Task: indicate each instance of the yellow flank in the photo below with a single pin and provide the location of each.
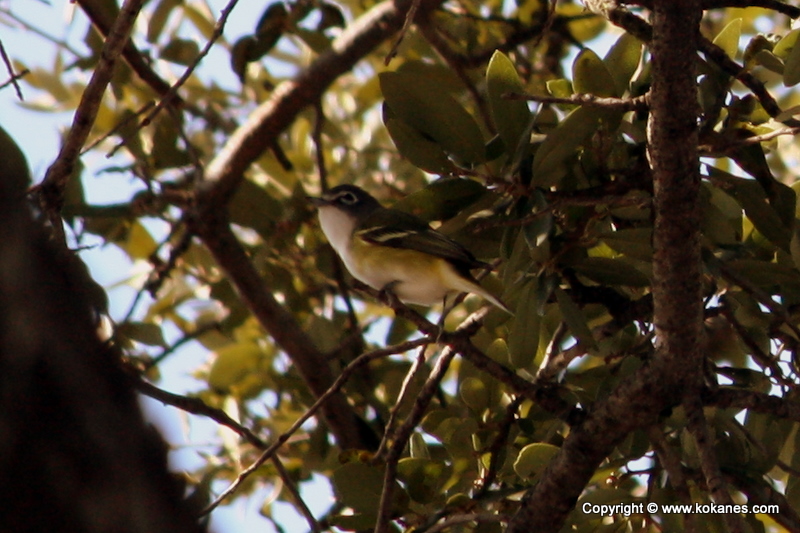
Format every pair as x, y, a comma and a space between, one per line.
413, 276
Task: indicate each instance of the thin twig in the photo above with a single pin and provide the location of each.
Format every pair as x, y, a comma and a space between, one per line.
416, 366
497, 446
638, 103
404, 433
446, 525
697, 425
337, 385
762, 297
412, 12
718, 149
28, 27
671, 462
219, 27
13, 80
13, 75
298, 499
199, 407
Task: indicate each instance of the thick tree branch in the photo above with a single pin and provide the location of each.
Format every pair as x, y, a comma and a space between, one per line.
733, 397
226, 171
310, 362
636, 402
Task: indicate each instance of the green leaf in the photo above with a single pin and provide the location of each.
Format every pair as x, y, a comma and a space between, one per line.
784, 47
417, 446
359, 486
561, 144
423, 478
474, 394
273, 20
591, 76
241, 54
423, 106
633, 242
416, 147
728, 38
764, 217
138, 243
770, 61
622, 60
560, 88
158, 19
203, 19
441, 199
180, 51
791, 69
534, 458
610, 271
523, 341
511, 117
144, 332
253, 207
766, 274
575, 319
234, 365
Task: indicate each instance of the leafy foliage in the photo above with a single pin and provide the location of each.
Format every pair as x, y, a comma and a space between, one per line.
558, 193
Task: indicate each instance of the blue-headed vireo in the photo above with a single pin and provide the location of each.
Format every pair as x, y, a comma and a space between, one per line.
392, 250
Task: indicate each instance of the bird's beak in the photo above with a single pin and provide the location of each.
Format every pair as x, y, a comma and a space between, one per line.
318, 201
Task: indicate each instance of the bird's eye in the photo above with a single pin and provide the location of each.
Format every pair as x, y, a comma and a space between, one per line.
348, 198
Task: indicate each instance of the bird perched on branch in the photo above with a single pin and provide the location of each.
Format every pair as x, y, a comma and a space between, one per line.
394, 251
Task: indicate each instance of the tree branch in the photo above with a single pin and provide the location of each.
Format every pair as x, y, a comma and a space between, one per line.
638, 103
216, 233
676, 286
55, 180
225, 172
272, 117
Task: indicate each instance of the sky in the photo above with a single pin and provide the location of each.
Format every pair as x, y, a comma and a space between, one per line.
38, 133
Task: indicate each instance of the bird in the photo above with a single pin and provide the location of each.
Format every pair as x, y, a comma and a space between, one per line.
394, 251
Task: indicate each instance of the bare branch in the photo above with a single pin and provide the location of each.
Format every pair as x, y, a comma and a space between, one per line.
671, 462
733, 397
276, 114
321, 401
14, 76
55, 180
170, 95
638, 103
403, 433
697, 425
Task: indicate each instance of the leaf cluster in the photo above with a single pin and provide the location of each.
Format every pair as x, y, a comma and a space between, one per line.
504, 128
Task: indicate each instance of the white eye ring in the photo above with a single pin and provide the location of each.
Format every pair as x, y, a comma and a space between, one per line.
348, 198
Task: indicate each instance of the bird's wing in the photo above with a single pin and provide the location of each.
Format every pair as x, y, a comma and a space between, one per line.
407, 231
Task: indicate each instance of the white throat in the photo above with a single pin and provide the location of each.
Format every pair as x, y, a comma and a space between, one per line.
337, 226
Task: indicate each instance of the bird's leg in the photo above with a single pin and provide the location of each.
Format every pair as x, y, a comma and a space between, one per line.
445, 311
387, 294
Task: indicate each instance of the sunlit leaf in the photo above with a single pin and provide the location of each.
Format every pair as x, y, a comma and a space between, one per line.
728, 38
591, 76
511, 117
534, 458
622, 60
